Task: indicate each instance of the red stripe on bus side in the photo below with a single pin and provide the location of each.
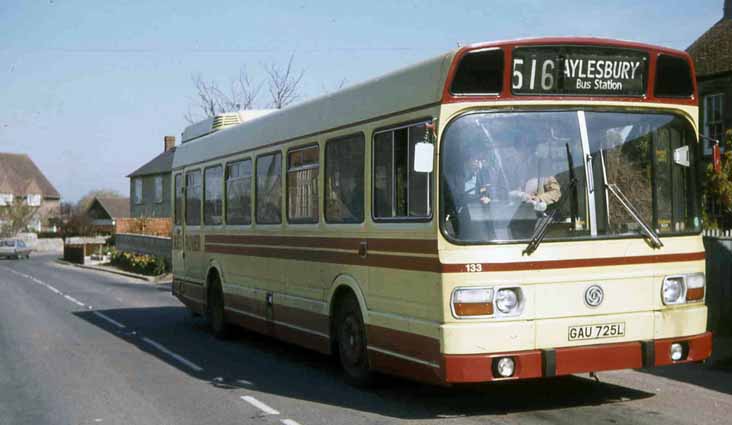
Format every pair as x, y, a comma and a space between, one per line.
574, 263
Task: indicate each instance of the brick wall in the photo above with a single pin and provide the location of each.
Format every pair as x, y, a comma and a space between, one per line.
144, 226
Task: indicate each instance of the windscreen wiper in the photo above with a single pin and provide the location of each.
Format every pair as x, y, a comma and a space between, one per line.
543, 224
625, 202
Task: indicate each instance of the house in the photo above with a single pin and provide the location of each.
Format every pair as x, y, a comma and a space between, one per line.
150, 185
103, 213
21, 180
712, 54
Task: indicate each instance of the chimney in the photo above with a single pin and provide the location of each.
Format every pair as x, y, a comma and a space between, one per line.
727, 9
169, 143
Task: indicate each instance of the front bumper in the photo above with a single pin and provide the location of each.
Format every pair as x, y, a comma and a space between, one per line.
463, 368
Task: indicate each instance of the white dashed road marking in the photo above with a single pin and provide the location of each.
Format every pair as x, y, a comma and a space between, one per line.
74, 300
259, 405
249, 399
180, 359
109, 319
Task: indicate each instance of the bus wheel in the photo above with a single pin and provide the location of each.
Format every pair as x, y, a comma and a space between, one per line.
351, 340
215, 311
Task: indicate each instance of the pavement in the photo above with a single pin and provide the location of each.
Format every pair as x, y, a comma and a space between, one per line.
81, 346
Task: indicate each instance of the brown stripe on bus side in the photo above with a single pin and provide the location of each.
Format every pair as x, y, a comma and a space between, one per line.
575, 263
294, 241
402, 262
415, 246
302, 318
405, 343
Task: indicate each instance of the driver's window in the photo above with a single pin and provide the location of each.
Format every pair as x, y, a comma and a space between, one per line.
399, 192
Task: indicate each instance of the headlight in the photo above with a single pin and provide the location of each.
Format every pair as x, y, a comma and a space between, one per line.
507, 300
473, 301
680, 289
673, 290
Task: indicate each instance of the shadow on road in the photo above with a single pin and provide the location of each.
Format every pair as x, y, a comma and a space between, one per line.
696, 374
264, 364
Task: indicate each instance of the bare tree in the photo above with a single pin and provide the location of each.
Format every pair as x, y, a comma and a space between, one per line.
16, 217
243, 92
339, 85
283, 84
210, 100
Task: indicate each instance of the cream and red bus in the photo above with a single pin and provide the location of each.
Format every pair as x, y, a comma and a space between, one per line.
508, 210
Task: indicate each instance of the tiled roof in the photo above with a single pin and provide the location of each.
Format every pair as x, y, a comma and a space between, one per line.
20, 176
162, 163
115, 207
712, 52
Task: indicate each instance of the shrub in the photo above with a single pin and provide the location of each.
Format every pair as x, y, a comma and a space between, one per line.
718, 190
147, 265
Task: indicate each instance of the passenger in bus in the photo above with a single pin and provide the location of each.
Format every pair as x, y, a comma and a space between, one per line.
538, 185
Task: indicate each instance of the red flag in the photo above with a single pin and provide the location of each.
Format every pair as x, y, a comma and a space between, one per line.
716, 158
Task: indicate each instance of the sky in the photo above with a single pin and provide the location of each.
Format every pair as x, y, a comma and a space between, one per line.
88, 89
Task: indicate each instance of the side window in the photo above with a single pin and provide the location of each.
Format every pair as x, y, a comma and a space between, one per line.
179, 199
302, 185
239, 192
158, 189
344, 188
138, 190
399, 192
193, 198
269, 188
213, 203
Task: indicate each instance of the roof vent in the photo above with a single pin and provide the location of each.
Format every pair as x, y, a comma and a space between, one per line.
220, 122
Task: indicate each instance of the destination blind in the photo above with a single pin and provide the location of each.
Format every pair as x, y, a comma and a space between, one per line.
578, 71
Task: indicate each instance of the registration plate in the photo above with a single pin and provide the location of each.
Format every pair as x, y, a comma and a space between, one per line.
603, 330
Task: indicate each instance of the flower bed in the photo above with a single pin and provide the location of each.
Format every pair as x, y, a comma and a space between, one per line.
147, 265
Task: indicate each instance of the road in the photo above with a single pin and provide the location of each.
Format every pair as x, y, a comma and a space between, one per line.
86, 347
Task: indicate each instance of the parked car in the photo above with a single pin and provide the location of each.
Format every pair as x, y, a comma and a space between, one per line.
14, 248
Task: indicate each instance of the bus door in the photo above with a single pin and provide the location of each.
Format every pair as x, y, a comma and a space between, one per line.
178, 227
192, 255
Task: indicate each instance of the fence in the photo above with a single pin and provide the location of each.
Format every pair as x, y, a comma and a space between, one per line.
719, 281
144, 244
144, 226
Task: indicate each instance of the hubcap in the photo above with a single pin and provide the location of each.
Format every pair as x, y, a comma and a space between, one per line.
350, 340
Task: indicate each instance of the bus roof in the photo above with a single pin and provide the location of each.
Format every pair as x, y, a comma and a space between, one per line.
414, 87
418, 85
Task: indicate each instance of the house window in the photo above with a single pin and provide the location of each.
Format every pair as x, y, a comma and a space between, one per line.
239, 192
302, 185
344, 179
33, 200
213, 203
6, 199
193, 198
399, 191
269, 189
713, 120
158, 189
138, 190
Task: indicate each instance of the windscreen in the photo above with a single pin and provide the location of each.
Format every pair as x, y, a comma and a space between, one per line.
503, 171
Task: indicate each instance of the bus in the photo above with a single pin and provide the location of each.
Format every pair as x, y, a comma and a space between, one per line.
507, 210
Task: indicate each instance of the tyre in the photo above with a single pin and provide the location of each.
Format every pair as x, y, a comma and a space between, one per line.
215, 311
352, 343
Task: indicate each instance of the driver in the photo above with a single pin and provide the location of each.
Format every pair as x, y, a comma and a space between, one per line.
539, 187
475, 186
